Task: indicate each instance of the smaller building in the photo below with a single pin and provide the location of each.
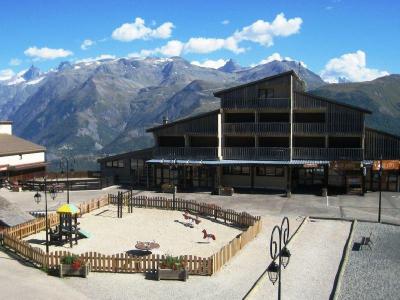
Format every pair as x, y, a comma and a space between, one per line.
19, 159
128, 169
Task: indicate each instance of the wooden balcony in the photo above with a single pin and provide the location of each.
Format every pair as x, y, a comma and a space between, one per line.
186, 153
260, 153
328, 153
263, 128
276, 103
309, 128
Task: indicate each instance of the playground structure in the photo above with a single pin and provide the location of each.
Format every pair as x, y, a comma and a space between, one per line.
67, 231
191, 219
208, 236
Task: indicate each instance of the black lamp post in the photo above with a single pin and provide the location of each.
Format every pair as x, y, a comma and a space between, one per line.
65, 163
380, 188
174, 167
278, 250
38, 197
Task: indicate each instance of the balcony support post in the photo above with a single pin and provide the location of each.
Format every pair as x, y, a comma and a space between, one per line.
289, 181
326, 179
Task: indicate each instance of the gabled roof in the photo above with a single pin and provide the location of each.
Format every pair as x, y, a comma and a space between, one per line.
383, 132
291, 72
11, 214
13, 145
169, 124
335, 102
142, 153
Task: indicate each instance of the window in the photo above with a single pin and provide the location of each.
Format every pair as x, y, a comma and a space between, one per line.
120, 164
265, 93
115, 163
109, 164
270, 171
236, 170
133, 164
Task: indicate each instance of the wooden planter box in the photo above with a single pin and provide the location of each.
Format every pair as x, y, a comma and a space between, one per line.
170, 274
167, 188
66, 270
224, 191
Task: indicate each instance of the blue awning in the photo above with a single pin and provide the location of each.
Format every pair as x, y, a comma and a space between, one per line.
236, 162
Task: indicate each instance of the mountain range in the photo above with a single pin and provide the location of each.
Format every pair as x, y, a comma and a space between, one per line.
92, 108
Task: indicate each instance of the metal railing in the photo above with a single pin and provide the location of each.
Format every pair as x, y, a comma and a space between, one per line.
309, 127
328, 153
186, 152
260, 153
265, 128
256, 103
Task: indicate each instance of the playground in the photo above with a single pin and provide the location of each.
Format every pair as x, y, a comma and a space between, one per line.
176, 233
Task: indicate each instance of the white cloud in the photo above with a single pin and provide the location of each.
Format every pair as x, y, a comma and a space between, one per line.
278, 57
15, 62
207, 45
100, 57
46, 53
263, 32
86, 44
134, 31
214, 64
6, 74
350, 66
225, 22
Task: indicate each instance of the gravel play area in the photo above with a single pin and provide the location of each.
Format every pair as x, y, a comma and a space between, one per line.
373, 273
112, 235
316, 254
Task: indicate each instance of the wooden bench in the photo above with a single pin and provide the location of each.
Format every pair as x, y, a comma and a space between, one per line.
366, 241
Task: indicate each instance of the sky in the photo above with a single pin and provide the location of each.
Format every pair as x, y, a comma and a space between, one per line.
356, 40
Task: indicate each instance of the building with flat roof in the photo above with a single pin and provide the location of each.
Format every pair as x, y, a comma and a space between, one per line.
19, 158
268, 134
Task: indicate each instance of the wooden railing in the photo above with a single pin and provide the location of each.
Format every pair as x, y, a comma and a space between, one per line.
123, 263
328, 153
309, 127
265, 128
281, 103
185, 152
269, 153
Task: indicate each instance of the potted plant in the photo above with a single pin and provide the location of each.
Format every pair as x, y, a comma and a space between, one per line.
72, 265
172, 267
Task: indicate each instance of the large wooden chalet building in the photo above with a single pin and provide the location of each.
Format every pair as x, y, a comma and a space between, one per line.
267, 135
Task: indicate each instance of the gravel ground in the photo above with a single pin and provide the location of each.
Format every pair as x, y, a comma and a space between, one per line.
112, 235
23, 282
373, 274
232, 282
316, 254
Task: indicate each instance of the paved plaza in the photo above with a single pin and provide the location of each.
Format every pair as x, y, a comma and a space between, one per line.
316, 253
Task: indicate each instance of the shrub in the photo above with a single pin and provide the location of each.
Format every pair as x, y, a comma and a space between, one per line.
172, 262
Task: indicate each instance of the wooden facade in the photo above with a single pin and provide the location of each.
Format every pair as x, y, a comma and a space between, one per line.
270, 120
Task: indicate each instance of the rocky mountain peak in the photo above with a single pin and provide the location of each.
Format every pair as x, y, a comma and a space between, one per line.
230, 66
32, 73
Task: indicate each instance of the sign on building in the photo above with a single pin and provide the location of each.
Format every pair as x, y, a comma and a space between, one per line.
386, 165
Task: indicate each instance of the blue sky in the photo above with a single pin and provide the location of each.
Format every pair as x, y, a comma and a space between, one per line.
358, 40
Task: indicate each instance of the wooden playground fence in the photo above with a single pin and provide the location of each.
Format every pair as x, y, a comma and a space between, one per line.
203, 209
124, 263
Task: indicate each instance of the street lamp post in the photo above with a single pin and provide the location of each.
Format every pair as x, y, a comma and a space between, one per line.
65, 163
278, 250
53, 194
380, 188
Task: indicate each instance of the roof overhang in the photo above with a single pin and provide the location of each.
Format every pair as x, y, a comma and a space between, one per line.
27, 166
236, 162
